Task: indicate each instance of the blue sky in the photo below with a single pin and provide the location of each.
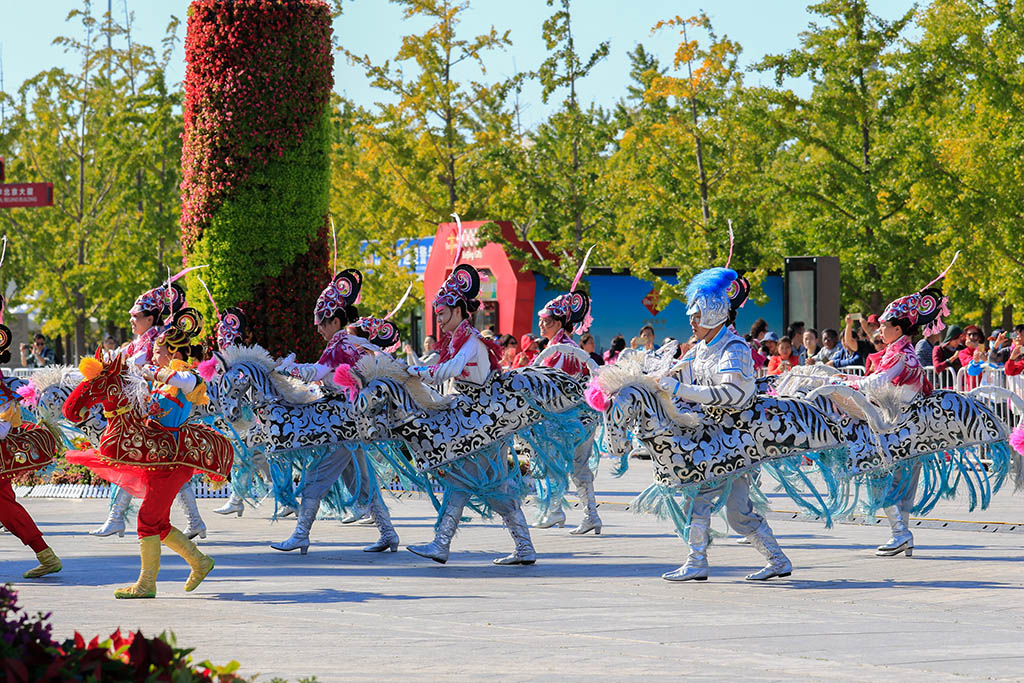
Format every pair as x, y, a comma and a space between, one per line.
375, 27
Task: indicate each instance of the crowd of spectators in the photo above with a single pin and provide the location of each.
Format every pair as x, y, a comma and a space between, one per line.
859, 344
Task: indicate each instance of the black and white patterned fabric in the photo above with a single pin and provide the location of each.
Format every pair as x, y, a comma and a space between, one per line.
477, 417
718, 443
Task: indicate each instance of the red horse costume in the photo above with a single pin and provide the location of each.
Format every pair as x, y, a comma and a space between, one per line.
23, 448
149, 456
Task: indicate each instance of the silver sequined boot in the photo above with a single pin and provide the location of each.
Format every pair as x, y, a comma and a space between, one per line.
778, 564
696, 566
524, 553
382, 516
308, 507
447, 524
115, 519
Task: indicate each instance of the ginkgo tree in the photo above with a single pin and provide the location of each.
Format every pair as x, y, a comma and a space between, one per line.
106, 135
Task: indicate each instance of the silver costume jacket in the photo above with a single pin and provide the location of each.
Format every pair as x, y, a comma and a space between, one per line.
719, 373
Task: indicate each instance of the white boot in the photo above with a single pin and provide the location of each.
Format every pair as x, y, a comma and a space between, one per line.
233, 506
187, 501
591, 521
115, 520
299, 539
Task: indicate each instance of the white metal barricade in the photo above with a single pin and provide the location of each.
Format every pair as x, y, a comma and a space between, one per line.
853, 370
941, 380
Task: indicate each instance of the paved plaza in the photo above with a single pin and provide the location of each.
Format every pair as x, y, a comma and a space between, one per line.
592, 608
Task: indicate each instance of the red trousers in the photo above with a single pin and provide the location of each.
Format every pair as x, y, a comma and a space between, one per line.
162, 485
17, 520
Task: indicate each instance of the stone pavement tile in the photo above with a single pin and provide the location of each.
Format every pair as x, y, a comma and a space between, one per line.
593, 608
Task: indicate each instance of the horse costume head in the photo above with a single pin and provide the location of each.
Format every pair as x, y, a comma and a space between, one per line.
631, 401
103, 383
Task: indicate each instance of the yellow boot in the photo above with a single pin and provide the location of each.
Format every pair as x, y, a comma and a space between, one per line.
145, 587
49, 563
201, 564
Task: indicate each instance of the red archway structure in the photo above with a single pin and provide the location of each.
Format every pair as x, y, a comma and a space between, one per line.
509, 285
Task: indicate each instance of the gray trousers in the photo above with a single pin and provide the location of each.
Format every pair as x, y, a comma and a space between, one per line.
354, 471
582, 475
739, 510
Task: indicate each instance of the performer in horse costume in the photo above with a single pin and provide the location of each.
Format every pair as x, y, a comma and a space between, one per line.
719, 371
155, 456
147, 319
468, 362
560, 315
900, 377
335, 309
24, 447
230, 330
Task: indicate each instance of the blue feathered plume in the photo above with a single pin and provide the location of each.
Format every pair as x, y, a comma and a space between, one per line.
710, 283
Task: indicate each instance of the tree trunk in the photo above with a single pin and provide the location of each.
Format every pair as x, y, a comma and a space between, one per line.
81, 324
986, 317
1008, 317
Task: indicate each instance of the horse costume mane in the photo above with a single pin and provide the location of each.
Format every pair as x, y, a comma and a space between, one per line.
41, 380
291, 389
630, 371
382, 366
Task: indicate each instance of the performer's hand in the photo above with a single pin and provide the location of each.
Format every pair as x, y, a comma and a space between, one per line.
307, 373
1016, 351
148, 371
287, 364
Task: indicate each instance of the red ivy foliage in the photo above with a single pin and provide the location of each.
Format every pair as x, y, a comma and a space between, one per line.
258, 76
272, 314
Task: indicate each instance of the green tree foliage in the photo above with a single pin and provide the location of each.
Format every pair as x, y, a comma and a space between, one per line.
967, 82
557, 189
847, 164
407, 164
256, 162
106, 135
690, 160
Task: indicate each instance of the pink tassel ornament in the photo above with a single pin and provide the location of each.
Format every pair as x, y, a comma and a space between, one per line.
346, 379
207, 369
28, 394
1017, 439
596, 398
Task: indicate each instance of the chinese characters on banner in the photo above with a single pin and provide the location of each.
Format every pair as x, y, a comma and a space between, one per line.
17, 195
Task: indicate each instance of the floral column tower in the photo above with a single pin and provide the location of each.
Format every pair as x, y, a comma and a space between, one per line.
255, 162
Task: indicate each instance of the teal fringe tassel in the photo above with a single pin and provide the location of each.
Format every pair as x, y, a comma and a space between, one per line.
944, 474
486, 477
660, 500
404, 466
284, 465
554, 441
